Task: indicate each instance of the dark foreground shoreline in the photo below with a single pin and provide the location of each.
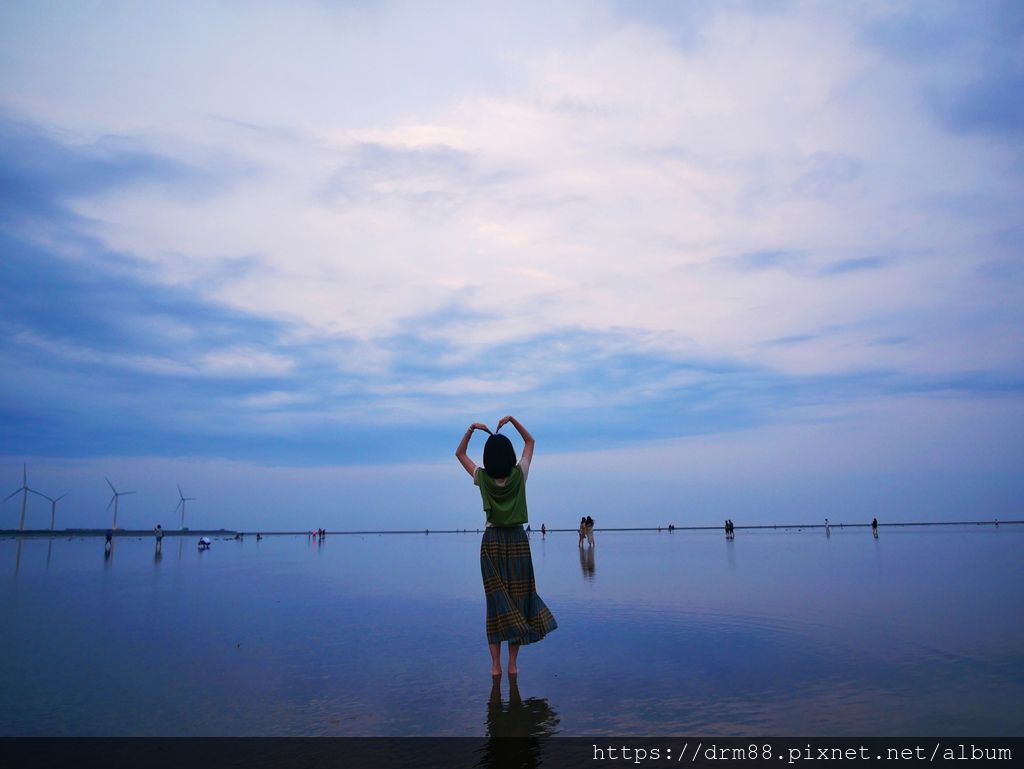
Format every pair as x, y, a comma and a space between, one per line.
516, 749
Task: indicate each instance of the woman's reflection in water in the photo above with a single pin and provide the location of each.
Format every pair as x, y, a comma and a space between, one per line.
516, 731
587, 562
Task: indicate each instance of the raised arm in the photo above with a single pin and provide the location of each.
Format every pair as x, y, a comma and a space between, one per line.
525, 434
460, 452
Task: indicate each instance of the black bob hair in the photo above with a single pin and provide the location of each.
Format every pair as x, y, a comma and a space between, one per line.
499, 456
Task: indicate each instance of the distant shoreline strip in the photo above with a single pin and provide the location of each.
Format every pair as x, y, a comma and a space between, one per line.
46, 533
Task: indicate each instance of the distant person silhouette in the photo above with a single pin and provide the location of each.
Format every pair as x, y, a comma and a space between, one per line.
874, 526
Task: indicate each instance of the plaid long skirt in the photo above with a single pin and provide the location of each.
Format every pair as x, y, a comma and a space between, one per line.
515, 613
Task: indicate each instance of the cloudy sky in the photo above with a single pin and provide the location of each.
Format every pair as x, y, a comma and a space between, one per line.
752, 260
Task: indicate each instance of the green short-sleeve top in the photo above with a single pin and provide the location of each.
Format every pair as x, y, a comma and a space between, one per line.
504, 504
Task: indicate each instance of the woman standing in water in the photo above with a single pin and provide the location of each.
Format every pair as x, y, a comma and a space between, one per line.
515, 613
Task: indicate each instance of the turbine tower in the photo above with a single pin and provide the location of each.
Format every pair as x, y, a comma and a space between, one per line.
24, 495
181, 504
53, 505
114, 499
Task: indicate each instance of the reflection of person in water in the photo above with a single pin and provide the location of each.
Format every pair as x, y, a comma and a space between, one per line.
530, 721
587, 562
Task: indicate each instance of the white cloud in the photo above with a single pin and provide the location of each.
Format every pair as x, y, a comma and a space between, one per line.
549, 167
272, 400
245, 361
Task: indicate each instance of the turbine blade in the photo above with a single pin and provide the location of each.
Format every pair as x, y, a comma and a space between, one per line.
110, 484
127, 492
179, 490
58, 499
111, 501
179, 505
24, 474
13, 493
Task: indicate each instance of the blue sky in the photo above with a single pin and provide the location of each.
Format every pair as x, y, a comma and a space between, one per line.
751, 260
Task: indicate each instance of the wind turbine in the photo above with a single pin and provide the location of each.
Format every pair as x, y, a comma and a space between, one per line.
114, 499
24, 495
53, 505
181, 504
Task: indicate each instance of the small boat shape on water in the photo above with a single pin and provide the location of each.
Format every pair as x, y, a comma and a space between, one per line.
204, 543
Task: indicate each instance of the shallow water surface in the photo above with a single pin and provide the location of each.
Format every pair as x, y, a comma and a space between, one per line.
773, 633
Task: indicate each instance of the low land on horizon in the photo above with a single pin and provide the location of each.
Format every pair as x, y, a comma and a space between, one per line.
79, 532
